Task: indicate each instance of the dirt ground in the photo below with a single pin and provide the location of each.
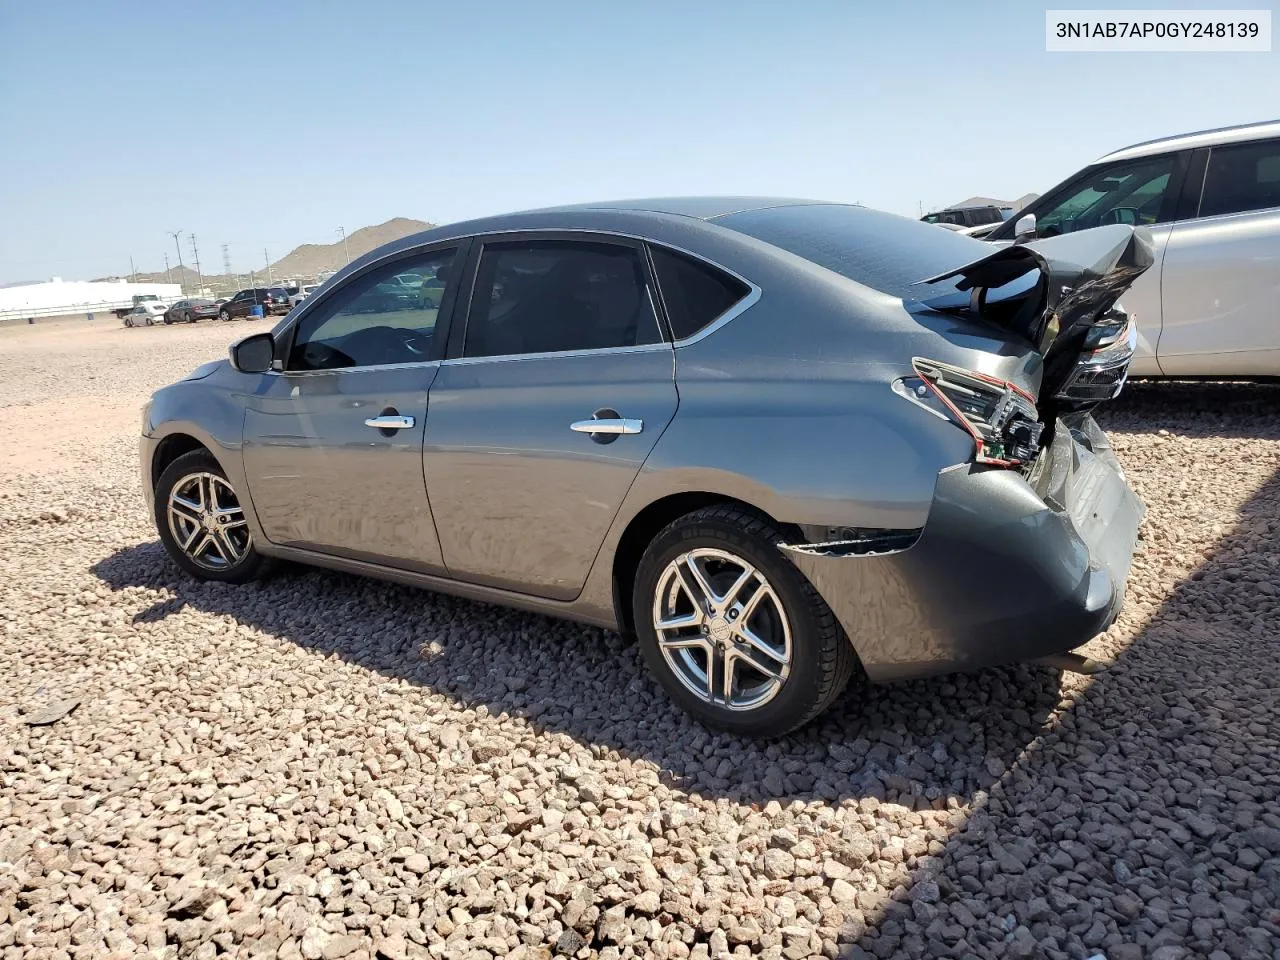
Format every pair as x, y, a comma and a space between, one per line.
322, 766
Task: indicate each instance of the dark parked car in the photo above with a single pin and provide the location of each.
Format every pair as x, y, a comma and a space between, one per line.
968, 216
273, 300
777, 440
189, 311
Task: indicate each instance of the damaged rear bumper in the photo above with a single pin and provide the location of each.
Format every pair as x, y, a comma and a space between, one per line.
1007, 568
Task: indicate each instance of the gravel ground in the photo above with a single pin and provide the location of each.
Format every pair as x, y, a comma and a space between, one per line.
323, 766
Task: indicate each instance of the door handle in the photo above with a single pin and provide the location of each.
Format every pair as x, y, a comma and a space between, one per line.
387, 422
612, 425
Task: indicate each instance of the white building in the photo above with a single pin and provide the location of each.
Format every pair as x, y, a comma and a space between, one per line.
58, 297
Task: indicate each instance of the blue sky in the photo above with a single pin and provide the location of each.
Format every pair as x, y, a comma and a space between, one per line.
269, 125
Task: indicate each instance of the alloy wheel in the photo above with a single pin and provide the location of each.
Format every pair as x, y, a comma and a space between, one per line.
207, 521
722, 629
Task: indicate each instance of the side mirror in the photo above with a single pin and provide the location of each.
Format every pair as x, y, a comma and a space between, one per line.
254, 354
1025, 228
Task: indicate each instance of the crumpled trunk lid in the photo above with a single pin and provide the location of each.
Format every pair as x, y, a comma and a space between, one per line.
1061, 295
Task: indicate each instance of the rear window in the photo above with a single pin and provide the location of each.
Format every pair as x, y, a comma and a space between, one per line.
694, 293
879, 250
1241, 178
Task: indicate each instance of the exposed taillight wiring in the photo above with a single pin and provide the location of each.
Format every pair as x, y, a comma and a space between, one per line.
1006, 430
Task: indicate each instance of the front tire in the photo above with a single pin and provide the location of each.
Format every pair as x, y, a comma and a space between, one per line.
224, 315
733, 631
202, 523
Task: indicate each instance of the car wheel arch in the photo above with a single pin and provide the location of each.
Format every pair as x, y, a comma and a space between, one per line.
170, 449
647, 523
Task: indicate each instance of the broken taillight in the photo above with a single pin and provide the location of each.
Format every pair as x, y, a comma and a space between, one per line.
1001, 417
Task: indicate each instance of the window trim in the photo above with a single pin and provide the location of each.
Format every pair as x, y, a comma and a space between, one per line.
456, 351
286, 335
468, 244
741, 305
1204, 179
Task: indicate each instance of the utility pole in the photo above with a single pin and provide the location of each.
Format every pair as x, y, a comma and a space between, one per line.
167, 278
346, 252
181, 268
267, 260
226, 263
195, 252
133, 271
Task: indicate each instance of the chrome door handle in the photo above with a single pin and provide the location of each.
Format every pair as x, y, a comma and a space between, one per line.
618, 425
389, 423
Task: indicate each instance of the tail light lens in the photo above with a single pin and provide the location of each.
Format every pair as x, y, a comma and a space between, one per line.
1103, 366
1001, 417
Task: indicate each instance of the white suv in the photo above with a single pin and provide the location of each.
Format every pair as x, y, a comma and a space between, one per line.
1210, 305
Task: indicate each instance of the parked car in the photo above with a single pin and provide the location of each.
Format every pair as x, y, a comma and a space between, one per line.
123, 312
1212, 203
740, 428
189, 311
271, 299
304, 291
145, 313
966, 216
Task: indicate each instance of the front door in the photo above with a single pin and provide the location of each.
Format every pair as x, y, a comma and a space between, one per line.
333, 442
538, 429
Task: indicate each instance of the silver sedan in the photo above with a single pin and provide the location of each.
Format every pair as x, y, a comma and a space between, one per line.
778, 441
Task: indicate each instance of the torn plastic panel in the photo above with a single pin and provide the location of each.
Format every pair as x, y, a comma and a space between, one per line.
854, 541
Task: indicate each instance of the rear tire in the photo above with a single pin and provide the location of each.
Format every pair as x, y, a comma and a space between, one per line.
202, 523
788, 657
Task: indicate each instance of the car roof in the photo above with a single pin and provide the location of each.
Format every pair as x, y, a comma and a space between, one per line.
1203, 138
700, 208
606, 216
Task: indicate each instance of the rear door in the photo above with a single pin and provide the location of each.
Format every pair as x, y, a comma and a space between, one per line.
333, 441
1222, 269
556, 390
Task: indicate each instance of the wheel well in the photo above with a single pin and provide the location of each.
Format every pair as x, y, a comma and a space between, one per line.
169, 450
646, 525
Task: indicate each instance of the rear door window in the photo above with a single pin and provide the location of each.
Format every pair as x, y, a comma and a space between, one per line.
1240, 178
551, 296
695, 294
